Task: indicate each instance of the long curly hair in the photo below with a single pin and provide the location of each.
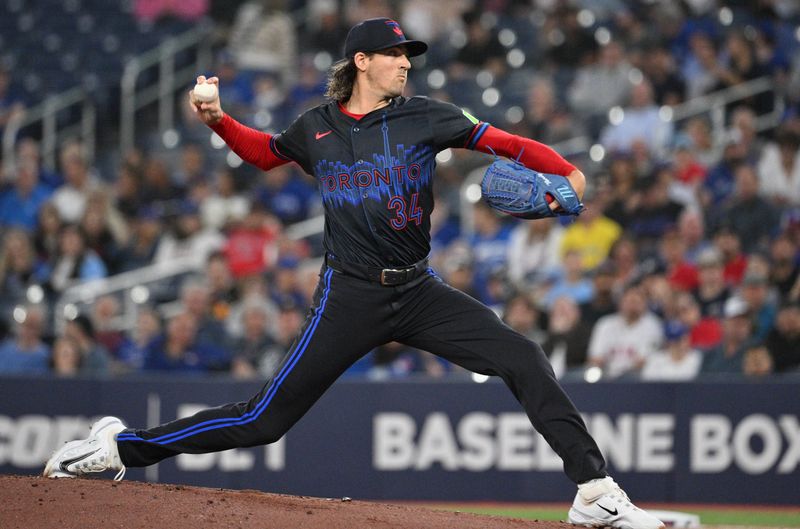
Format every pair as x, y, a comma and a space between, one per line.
341, 78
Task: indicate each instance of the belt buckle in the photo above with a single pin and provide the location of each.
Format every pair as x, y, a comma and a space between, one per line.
388, 276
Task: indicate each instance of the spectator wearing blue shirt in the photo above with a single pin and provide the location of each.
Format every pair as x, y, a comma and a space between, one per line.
178, 350
571, 283
285, 195
26, 353
489, 245
74, 260
19, 205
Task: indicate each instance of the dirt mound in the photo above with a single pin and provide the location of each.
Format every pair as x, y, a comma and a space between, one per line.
33, 502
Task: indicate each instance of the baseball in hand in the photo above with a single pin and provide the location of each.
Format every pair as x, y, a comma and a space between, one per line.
205, 92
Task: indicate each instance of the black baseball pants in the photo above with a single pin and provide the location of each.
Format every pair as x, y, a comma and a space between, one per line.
349, 317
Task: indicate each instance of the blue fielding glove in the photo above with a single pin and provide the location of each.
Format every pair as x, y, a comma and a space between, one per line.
512, 188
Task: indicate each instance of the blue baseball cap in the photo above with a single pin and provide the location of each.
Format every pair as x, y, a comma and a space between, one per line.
375, 34
675, 330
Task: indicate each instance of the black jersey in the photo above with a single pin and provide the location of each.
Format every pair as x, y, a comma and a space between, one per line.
376, 173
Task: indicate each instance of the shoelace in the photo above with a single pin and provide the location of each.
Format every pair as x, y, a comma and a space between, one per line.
121, 474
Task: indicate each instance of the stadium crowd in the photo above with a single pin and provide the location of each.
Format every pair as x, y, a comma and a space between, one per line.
685, 263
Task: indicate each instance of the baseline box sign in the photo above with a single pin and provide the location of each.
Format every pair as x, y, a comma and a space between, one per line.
698, 442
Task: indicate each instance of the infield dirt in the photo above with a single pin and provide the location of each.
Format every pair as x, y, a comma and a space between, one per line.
28, 502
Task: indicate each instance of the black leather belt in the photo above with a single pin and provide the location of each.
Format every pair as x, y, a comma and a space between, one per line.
385, 276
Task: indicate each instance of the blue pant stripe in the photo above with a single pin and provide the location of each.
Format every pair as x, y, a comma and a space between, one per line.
256, 412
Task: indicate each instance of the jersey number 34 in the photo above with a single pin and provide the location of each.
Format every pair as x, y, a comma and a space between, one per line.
403, 213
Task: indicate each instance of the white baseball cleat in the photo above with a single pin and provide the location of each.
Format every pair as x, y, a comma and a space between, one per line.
96, 453
602, 503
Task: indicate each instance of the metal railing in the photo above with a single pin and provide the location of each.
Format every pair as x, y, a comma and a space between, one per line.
47, 113
133, 98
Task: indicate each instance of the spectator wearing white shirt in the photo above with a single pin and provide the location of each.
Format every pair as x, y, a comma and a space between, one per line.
779, 169
534, 250
678, 361
622, 341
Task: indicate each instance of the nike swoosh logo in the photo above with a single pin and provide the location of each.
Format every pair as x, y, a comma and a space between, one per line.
320, 135
67, 462
609, 511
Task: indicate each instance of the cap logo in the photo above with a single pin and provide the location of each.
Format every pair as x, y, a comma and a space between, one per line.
396, 28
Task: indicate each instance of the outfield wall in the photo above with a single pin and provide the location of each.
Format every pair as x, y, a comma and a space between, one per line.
448, 441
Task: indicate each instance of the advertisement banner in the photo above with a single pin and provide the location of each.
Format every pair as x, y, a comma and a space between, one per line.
445, 441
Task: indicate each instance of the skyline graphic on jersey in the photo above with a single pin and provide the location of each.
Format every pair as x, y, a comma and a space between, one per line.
407, 171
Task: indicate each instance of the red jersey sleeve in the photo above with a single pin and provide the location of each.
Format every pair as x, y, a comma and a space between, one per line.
535, 155
253, 146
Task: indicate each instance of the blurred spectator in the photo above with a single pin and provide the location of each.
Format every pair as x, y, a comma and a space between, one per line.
625, 193
691, 230
783, 341
700, 65
571, 282
751, 217
737, 336
678, 361
252, 245
457, 269
570, 45
656, 213
29, 154
221, 288
105, 230
19, 205
680, 273
66, 359
285, 194
743, 131
10, 103
779, 169
730, 247
621, 342
742, 65
70, 199
763, 308
263, 38
601, 85
624, 257
133, 350
689, 172
144, 241
25, 352
188, 238
249, 348
659, 67
488, 244
285, 289
152, 10
19, 270
287, 328
546, 121
640, 122
704, 331
47, 235
196, 300
225, 205
179, 351
105, 321
193, 168
712, 290
326, 28
522, 315
158, 188
94, 357
707, 148
602, 302
719, 182
482, 49
534, 250
567, 337
74, 261
128, 190
592, 235
784, 265
757, 362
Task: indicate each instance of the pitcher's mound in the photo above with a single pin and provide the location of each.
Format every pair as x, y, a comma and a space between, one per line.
27, 502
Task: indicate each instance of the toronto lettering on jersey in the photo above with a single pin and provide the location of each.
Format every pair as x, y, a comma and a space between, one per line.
381, 178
